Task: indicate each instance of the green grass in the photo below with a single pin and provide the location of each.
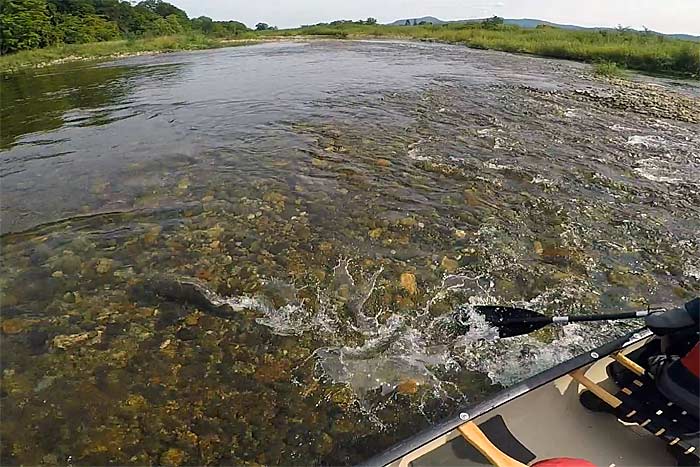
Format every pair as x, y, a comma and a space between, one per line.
609, 70
615, 49
97, 50
626, 49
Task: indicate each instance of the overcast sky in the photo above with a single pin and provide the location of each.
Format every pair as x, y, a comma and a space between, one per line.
668, 16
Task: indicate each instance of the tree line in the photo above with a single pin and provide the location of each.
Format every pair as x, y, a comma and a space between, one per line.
29, 24
344, 22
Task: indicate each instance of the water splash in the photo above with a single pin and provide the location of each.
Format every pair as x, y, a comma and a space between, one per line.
416, 348
647, 141
508, 361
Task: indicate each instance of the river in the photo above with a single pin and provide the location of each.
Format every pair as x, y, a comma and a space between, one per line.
340, 199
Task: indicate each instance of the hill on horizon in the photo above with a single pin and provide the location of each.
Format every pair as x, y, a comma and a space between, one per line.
527, 23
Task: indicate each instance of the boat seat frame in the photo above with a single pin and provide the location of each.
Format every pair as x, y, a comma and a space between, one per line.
408, 450
471, 432
474, 436
631, 415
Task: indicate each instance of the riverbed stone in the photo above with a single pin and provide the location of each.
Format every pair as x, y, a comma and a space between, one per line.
173, 457
104, 265
65, 342
449, 264
14, 325
407, 387
408, 283
68, 263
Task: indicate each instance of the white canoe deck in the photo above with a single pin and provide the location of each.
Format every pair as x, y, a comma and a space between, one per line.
551, 422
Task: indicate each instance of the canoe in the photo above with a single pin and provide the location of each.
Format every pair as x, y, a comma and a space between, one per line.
624, 422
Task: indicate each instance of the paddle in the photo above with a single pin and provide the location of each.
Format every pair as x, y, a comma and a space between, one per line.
512, 321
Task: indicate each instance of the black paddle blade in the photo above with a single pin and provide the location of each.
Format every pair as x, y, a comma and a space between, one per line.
512, 321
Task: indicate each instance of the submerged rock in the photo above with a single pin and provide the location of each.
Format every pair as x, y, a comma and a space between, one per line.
173, 457
68, 263
36, 340
104, 265
185, 334
15, 325
537, 246
408, 283
191, 292
152, 235
407, 387
65, 342
375, 233
449, 264
7, 300
324, 444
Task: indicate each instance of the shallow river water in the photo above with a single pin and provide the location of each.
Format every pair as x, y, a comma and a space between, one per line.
254, 255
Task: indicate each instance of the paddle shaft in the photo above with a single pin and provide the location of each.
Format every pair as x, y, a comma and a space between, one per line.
577, 318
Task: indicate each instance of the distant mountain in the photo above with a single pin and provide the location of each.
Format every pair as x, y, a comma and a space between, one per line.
526, 23
684, 37
412, 21
533, 23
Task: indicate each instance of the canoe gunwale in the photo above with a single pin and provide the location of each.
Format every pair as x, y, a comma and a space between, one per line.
409, 445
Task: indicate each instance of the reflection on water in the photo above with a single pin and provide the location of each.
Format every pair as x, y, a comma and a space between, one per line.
253, 254
47, 99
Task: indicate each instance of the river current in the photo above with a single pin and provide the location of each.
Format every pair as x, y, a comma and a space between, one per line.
342, 199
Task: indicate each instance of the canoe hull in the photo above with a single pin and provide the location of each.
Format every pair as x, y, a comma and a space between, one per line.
544, 413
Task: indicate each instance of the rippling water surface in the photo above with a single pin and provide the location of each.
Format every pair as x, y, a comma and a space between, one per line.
252, 255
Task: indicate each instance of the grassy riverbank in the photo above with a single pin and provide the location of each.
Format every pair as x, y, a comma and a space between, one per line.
110, 49
628, 49
621, 49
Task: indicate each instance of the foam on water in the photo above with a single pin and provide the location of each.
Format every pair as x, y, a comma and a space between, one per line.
397, 353
658, 170
508, 361
692, 270
647, 141
414, 152
417, 347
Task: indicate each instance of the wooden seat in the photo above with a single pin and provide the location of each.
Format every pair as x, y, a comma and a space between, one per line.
473, 434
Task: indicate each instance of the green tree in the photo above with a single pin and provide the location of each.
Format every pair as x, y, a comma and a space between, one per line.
204, 24
492, 23
233, 27
74, 29
371, 20
166, 26
130, 21
262, 27
143, 20
176, 23
24, 24
163, 9
73, 7
27, 24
